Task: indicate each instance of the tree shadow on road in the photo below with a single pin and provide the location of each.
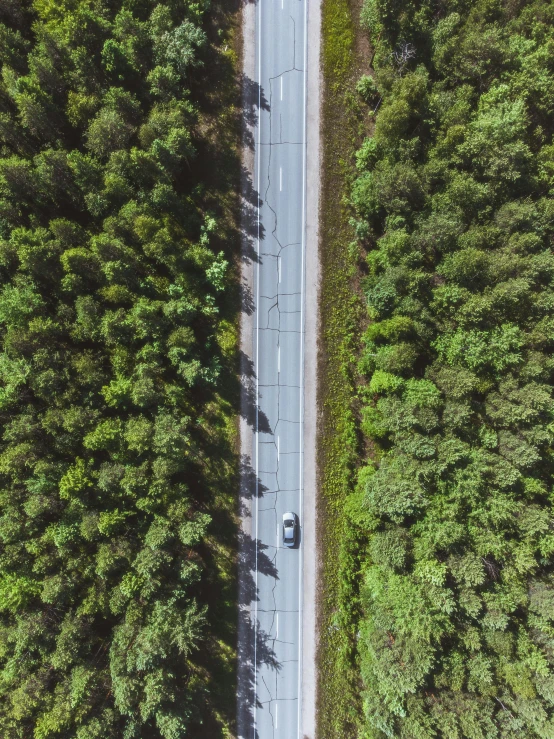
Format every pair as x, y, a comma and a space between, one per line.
250, 409
254, 644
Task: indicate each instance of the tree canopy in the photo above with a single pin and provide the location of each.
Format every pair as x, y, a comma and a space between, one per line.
454, 209
114, 267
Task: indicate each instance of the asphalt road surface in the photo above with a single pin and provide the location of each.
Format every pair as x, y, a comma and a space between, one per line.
278, 362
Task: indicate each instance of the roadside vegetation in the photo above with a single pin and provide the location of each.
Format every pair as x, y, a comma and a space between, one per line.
119, 172
342, 312
452, 607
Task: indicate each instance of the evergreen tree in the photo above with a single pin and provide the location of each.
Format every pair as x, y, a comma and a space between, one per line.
111, 281
454, 206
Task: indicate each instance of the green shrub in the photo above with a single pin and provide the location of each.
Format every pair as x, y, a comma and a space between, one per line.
367, 89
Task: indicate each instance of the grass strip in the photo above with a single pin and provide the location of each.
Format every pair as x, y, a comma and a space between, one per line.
341, 313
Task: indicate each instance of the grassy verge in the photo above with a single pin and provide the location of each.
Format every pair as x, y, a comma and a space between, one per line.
341, 311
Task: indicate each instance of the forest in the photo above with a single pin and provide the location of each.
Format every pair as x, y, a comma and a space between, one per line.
118, 180
453, 508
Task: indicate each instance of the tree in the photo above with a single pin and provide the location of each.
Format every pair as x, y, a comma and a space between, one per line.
454, 516
115, 260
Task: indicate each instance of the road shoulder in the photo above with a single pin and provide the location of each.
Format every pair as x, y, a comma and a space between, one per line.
311, 334
245, 661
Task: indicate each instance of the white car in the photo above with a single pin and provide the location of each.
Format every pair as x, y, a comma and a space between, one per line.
289, 529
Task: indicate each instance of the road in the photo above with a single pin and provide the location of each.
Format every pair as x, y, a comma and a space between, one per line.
270, 695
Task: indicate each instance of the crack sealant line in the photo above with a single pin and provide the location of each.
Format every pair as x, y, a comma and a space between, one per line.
294, 43
281, 610
282, 295
267, 329
269, 707
274, 230
271, 80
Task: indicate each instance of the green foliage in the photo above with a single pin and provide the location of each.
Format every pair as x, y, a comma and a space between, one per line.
367, 88
115, 253
337, 699
453, 200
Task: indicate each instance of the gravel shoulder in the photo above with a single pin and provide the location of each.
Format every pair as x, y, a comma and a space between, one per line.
245, 652
313, 273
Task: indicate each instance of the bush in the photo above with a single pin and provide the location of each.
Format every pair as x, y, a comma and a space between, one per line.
367, 89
